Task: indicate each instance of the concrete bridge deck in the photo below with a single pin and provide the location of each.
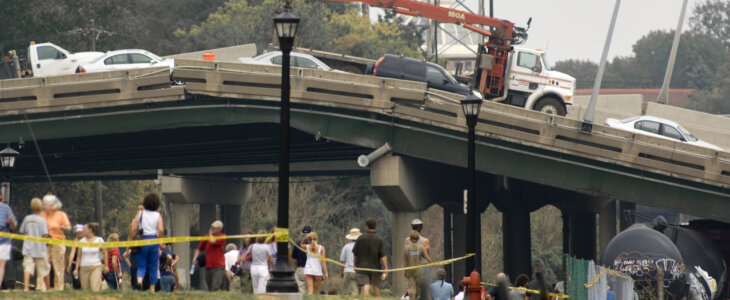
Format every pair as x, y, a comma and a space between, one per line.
366, 111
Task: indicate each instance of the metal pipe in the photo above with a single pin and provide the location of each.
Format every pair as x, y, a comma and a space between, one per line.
664, 92
588, 118
365, 160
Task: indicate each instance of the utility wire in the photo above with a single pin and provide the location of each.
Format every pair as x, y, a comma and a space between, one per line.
38, 150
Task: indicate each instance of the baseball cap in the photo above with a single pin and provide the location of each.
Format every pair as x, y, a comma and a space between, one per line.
217, 224
306, 229
416, 222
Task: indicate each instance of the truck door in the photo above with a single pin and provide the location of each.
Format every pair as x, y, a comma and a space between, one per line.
50, 62
526, 69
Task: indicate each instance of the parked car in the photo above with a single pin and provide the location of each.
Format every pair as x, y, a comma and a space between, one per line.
401, 67
48, 59
299, 60
658, 127
124, 60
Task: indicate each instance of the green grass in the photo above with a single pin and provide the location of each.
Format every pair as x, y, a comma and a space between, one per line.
134, 295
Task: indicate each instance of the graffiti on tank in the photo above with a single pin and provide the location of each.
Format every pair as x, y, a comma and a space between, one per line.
643, 266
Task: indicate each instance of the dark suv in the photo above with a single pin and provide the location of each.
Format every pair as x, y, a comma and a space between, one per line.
406, 68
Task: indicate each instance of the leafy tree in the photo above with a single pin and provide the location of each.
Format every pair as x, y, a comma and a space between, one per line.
712, 18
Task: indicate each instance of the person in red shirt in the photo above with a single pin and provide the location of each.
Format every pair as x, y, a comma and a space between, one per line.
215, 262
113, 263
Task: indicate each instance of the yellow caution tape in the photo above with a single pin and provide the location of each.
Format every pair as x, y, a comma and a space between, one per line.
124, 244
619, 275
438, 263
595, 280
609, 271
529, 290
282, 235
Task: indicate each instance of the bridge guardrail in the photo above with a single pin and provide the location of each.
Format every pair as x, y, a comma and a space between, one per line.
89, 89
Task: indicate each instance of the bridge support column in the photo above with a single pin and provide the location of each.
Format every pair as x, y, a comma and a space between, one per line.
606, 224
516, 248
401, 230
181, 227
626, 214
231, 217
582, 231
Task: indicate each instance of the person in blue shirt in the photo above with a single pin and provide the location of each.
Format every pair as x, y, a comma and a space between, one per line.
168, 260
440, 289
610, 295
8, 222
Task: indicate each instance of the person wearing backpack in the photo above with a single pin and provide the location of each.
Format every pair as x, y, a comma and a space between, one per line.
149, 223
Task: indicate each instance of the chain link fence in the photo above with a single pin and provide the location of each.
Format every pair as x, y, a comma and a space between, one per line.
588, 281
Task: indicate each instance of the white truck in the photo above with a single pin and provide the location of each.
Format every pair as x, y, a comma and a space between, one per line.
48, 59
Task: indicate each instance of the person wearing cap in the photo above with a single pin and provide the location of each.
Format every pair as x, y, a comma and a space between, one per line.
417, 225
150, 222
348, 275
215, 262
75, 282
58, 222
298, 261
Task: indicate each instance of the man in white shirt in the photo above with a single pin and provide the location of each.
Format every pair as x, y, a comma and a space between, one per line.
231, 257
348, 275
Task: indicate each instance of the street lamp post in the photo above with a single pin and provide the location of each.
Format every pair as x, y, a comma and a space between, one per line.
282, 280
471, 105
7, 162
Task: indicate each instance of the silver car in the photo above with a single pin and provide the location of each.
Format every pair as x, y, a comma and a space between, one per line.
661, 128
299, 60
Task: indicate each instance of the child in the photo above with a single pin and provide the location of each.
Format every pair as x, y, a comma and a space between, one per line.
114, 264
35, 253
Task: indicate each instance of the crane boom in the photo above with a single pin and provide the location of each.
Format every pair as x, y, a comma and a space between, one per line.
492, 55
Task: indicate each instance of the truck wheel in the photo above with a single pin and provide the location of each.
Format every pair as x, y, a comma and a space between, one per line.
550, 106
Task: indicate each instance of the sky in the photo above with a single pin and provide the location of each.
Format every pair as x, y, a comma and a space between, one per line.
576, 29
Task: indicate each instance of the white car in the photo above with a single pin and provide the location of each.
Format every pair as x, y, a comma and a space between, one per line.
661, 128
299, 60
124, 60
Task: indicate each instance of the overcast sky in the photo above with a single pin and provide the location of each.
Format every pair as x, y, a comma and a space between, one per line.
576, 29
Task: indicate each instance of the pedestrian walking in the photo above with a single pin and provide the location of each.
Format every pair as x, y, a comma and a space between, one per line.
440, 289
493, 292
520, 283
58, 222
369, 252
260, 261
35, 255
415, 254
315, 271
244, 259
168, 261
8, 222
215, 262
299, 260
89, 266
233, 268
347, 273
149, 224
113, 264
427, 275
534, 285
75, 282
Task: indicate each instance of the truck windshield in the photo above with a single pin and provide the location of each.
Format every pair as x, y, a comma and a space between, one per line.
545, 61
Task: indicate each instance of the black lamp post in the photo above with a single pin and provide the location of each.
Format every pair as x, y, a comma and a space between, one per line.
7, 162
282, 279
471, 105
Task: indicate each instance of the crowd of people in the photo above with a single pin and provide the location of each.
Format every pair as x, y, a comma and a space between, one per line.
364, 264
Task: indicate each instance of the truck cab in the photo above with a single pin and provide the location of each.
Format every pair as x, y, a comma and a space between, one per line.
48, 59
531, 84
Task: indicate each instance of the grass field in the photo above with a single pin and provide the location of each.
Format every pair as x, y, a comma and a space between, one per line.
135, 295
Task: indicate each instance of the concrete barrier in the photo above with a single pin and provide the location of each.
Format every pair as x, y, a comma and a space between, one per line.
707, 127
608, 106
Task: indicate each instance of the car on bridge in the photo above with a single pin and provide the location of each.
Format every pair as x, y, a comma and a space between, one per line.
406, 68
299, 60
661, 128
124, 60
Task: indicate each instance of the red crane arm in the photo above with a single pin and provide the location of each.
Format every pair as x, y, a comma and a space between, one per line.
503, 30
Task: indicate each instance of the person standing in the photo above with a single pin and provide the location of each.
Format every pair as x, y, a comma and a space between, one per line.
534, 285
369, 252
35, 255
75, 282
231, 257
215, 262
244, 258
415, 254
58, 222
149, 223
168, 260
113, 264
347, 273
520, 283
299, 260
315, 271
8, 222
440, 289
260, 261
427, 276
88, 265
